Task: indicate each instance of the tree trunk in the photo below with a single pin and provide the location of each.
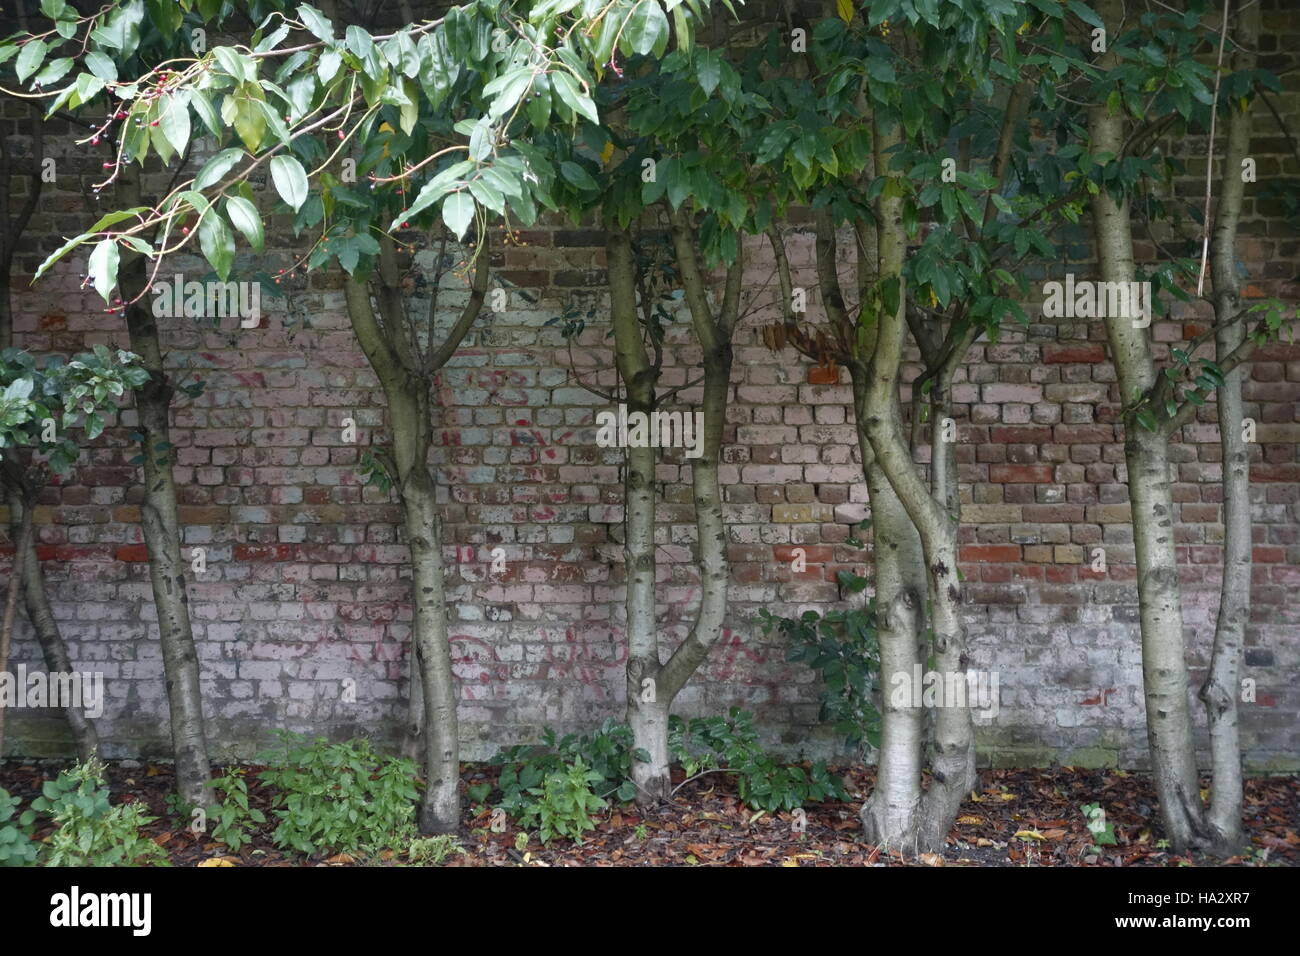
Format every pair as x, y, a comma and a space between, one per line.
440, 810
21, 545
953, 760
647, 703
889, 816
1164, 669
713, 329
647, 706
160, 521
32, 583
1220, 690
37, 602
41, 615
406, 389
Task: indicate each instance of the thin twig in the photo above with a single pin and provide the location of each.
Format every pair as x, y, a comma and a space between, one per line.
1209, 154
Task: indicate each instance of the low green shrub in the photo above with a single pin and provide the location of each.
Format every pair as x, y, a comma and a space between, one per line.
564, 803
16, 845
434, 850
339, 797
88, 830
232, 818
731, 743
607, 753
559, 785
843, 646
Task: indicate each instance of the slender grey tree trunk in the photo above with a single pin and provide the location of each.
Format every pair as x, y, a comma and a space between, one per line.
652, 687
440, 810
1220, 690
1164, 668
405, 369
435, 728
41, 615
21, 544
889, 816
953, 759
713, 328
647, 707
160, 522
35, 599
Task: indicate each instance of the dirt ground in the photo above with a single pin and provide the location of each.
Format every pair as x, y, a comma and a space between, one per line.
1015, 818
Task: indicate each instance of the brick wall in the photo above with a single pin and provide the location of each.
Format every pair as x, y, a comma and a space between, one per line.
305, 588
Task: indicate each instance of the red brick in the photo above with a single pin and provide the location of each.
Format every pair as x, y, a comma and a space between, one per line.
1271, 472
1019, 474
990, 554
264, 552
1069, 354
1020, 435
1085, 434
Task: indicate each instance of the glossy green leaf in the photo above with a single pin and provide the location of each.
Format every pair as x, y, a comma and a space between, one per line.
290, 180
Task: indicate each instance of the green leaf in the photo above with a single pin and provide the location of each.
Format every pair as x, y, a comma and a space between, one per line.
708, 70
316, 22
328, 66
646, 27
564, 84
1085, 14
245, 113
218, 244
488, 195
508, 90
217, 167
59, 253
577, 176
174, 121
435, 189
30, 59
203, 106
243, 216
457, 211
55, 70
236, 64
103, 267
290, 180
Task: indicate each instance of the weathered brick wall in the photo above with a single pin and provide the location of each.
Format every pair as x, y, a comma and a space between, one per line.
305, 585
